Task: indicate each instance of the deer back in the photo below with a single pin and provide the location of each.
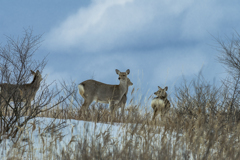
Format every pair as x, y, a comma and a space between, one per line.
21, 92
101, 92
9, 91
94, 90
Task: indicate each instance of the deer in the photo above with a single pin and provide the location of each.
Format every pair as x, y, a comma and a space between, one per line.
92, 90
22, 92
160, 103
123, 101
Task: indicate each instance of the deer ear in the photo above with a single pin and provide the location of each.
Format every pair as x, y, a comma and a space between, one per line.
127, 71
32, 72
166, 88
117, 71
159, 87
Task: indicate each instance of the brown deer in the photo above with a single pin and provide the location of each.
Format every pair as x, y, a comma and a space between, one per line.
92, 90
20, 93
160, 103
123, 101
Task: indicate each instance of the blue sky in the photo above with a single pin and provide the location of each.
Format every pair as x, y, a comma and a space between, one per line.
158, 40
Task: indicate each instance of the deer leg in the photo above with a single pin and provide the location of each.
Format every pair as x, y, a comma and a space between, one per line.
111, 106
86, 105
155, 114
122, 109
162, 113
28, 107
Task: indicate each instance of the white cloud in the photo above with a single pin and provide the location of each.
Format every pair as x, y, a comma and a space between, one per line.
84, 28
107, 25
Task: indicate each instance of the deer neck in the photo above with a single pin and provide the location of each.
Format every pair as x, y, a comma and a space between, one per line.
161, 97
36, 82
123, 86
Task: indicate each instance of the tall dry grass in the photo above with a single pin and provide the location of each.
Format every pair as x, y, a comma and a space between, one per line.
203, 123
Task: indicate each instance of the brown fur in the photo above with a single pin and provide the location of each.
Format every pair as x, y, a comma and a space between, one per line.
160, 103
92, 90
123, 101
20, 93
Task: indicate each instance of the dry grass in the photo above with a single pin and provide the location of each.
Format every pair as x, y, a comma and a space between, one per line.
199, 125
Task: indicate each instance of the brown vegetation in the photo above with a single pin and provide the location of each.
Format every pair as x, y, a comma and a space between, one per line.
199, 125
22, 101
202, 123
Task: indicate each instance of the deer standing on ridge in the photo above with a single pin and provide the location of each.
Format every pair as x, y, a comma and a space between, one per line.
92, 90
160, 103
20, 93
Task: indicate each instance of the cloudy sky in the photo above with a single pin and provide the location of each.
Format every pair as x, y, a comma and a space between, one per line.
158, 40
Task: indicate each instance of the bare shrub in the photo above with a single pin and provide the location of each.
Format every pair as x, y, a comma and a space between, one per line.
16, 62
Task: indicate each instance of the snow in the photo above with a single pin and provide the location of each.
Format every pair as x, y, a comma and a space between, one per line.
45, 143
74, 130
